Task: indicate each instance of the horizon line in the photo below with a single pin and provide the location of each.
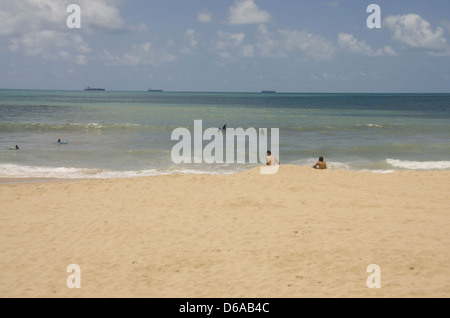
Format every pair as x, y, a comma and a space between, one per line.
216, 92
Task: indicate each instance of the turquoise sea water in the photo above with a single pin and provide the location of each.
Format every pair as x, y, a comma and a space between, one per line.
121, 134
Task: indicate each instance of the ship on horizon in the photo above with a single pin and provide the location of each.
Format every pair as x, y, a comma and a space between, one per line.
155, 90
94, 89
268, 92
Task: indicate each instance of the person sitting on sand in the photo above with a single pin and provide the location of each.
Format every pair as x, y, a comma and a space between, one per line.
271, 160
322, 165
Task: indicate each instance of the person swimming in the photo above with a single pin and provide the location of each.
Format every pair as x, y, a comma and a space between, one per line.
322, 165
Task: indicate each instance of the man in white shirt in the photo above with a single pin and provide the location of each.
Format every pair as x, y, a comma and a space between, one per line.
271, 160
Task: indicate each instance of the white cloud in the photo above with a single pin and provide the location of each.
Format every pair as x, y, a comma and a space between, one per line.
8, 22
388, 50
329, 76
141, 27
226, 39
311, 45
268, 43
232, 46
46, 42
220, 64
247, 12
334, 77
81, 60
64, 54
192, 37
18, 17
204, 17
248, 51
79, 44
415, 32
35, 43
139, 54
350, 44
38, 27
38, 43
102, 15
282, 43
446, 24
333, 3
185, 50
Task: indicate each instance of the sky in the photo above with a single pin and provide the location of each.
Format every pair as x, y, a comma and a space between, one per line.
226, 45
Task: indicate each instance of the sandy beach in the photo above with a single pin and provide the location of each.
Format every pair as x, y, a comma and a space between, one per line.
299, 233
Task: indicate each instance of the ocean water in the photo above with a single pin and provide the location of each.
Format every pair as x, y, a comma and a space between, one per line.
126, 134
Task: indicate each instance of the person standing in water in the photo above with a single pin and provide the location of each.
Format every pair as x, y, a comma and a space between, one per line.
17, 147
322, 165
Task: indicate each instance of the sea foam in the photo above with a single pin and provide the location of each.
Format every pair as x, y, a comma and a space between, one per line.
419, 165
17, 171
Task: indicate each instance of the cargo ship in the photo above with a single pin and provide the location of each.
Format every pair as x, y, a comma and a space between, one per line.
268, 92
94, 89
155, 90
